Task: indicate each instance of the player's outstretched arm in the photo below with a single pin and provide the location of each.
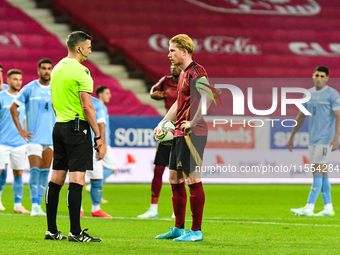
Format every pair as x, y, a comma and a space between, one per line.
88, 109
335, 142
299, 119
15, 117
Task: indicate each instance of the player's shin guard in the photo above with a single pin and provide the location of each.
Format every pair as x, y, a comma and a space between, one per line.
107, 172
96, 192
33, 183
52, 200
179, 202
18, 188
156, 184
315, 189
326, 190
3, 177
197, 199
43, 180
74, 196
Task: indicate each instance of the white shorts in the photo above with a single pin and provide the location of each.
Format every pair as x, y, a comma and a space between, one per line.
109, 159
320, 153
37, 149
16, 156
97, 172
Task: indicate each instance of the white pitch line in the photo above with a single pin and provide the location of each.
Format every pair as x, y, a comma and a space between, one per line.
212, 220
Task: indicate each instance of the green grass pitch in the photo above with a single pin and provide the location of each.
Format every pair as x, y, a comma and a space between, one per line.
238, 219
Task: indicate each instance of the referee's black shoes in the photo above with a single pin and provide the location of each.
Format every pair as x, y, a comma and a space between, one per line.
56, 236
83, 237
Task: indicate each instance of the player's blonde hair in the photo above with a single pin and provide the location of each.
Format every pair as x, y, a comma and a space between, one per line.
13, 71
183, 42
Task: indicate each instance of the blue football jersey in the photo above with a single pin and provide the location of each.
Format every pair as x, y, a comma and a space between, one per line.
107, 125
9, 134
322, 121
39, 112
5, 86
100, 114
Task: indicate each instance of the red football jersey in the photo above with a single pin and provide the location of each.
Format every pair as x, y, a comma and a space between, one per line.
189, 98
170, 90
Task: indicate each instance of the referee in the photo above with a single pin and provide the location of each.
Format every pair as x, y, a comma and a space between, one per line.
71, 88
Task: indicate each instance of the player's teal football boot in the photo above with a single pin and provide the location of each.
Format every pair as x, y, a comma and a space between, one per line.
191, 236
173, 233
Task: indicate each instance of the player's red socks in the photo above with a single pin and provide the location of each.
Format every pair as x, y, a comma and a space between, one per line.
179, 202
197, 199
156, 184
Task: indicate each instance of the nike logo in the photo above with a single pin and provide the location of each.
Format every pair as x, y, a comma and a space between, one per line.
34, 186
195, 239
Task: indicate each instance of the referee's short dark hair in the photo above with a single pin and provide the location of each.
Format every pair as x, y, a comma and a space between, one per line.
100, 89
321, 69
75, 38
44, 61
13, 71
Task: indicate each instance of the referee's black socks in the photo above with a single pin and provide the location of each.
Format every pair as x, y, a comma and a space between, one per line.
74, 196
52, 199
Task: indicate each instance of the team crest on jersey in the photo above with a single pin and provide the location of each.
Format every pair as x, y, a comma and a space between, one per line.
183, 82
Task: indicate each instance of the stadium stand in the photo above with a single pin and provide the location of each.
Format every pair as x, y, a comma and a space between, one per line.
23, 42
236, 39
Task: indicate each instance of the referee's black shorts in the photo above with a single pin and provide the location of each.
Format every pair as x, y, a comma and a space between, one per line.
187, 152
72, 149
162, 155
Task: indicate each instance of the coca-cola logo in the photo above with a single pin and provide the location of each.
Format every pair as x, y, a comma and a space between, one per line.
8, 39
315, 49
268, 7
211, 44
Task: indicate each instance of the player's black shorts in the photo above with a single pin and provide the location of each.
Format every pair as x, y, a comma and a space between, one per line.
183, 158
162, 155
72, 149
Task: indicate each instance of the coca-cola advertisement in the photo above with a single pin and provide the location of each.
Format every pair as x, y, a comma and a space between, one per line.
211, 44
270, 7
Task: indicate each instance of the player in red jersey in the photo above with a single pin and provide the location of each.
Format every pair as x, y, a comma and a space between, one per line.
165, 89
189, 141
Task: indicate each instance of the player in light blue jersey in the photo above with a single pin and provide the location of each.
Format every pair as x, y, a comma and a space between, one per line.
36, 96
96, 175
324, 131
3, 172
12, 145
3, 86
104, 95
